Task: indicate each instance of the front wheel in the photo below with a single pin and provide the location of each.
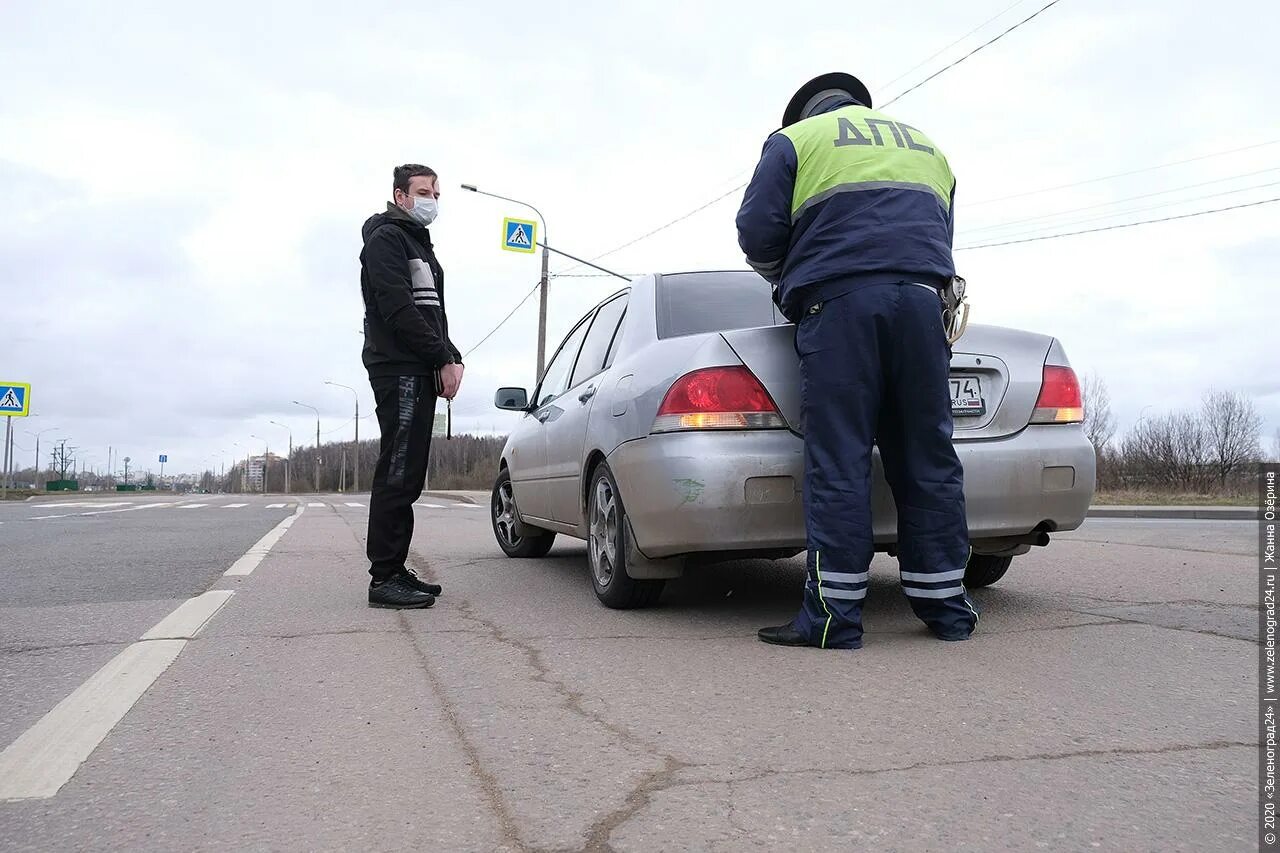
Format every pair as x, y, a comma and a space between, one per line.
515, 538
607, 548
985, 569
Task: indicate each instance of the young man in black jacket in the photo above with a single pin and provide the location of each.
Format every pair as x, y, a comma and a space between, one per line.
411, 362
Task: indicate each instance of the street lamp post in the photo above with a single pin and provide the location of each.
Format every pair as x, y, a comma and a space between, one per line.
317, 411
37, 434
266, 460
542, 285
288, 462
356, 478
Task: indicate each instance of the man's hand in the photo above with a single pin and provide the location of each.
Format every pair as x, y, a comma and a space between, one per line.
451, 380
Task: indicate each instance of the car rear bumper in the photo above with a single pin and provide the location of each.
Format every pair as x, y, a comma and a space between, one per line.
741, 491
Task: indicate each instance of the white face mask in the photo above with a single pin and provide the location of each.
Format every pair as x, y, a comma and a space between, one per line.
425, 210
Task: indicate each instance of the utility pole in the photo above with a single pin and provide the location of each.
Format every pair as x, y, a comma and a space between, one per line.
355, 486
542, 286
317, 411
8, 437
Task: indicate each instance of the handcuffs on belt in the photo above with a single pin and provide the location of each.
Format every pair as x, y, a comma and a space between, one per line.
955, 309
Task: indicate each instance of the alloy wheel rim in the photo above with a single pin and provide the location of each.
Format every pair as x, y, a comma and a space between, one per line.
504, 515
603, 533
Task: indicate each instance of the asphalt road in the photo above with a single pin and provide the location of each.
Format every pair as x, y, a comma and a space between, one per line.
1104, 704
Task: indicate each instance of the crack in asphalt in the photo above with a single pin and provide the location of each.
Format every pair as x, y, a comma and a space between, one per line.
1121, 620
1208, 746
572, 700
489, 783
88, 644
1218, 553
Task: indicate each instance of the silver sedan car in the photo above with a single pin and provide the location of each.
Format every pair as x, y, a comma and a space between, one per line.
667, 430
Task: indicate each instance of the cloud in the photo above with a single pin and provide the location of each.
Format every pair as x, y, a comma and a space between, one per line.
185, 187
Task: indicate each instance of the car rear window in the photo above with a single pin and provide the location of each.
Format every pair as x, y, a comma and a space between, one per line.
700, 302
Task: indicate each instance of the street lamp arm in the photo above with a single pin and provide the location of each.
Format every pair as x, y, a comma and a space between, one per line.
541, 218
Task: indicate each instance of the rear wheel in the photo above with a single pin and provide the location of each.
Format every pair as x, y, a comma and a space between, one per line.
607, 547
985, 569
515, 538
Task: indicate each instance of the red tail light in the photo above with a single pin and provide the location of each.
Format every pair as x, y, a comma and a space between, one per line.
718, 398
1060, 401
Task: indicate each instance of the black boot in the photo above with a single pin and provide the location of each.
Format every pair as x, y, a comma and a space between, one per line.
398, 593
783, 635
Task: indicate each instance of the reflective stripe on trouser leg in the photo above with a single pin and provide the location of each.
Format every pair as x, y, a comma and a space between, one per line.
922, 468
839, 347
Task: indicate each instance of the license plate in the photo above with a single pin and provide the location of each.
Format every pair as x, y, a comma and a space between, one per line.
966, 397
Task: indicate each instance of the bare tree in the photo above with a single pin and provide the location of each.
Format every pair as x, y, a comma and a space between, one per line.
1099, 422
1275, 446
1232, 426
1170, 450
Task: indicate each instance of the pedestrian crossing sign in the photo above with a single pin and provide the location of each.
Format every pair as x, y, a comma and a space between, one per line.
15, 399
519, 235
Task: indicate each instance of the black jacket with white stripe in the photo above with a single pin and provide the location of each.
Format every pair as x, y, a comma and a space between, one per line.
406, 331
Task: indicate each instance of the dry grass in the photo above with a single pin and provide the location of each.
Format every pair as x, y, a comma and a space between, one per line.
1148, 498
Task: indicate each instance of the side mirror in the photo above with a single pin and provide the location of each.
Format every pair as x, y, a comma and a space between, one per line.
512, 399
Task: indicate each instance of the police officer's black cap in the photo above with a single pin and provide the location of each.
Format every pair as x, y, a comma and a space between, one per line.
836, 80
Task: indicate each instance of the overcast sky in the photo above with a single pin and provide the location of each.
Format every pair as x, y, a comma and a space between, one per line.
184, 185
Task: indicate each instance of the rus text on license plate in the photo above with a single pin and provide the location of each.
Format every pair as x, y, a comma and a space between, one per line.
966, 397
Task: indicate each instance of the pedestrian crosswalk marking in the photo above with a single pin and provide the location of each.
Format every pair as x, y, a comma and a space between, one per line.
431, 506
233, 506
275, 506
315, 503
192, 506
349, 503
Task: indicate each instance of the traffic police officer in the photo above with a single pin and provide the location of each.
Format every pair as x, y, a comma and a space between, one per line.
849, 216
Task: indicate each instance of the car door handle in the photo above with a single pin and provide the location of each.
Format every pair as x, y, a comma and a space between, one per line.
587, 394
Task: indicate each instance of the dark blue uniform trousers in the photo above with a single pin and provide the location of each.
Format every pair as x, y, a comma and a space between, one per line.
874, 366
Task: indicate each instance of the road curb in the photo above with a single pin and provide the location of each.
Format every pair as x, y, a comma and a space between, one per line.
1204, 513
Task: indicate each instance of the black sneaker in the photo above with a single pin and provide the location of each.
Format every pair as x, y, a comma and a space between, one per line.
420, 584
398, 593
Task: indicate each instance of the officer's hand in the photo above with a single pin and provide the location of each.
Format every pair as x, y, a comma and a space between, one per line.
451, 379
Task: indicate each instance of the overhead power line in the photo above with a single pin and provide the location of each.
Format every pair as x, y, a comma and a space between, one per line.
1145, 209
1014, 222
1119, 226
495, 329
977, 49
1122, 174
735, 189
943, 50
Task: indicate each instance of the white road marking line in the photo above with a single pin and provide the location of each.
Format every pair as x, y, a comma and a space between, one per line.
58, 505
191, 506
247, 563
275, 506
431, 506
126, 509
349, 503
47, 755
233, 506
43, 517
315, 503
191, 615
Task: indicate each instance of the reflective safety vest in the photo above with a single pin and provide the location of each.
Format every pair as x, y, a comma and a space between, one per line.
844, 199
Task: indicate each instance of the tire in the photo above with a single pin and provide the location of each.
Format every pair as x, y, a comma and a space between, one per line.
984, 570
608, 545
529, 541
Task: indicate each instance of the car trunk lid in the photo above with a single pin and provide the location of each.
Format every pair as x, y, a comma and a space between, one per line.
1007, 364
